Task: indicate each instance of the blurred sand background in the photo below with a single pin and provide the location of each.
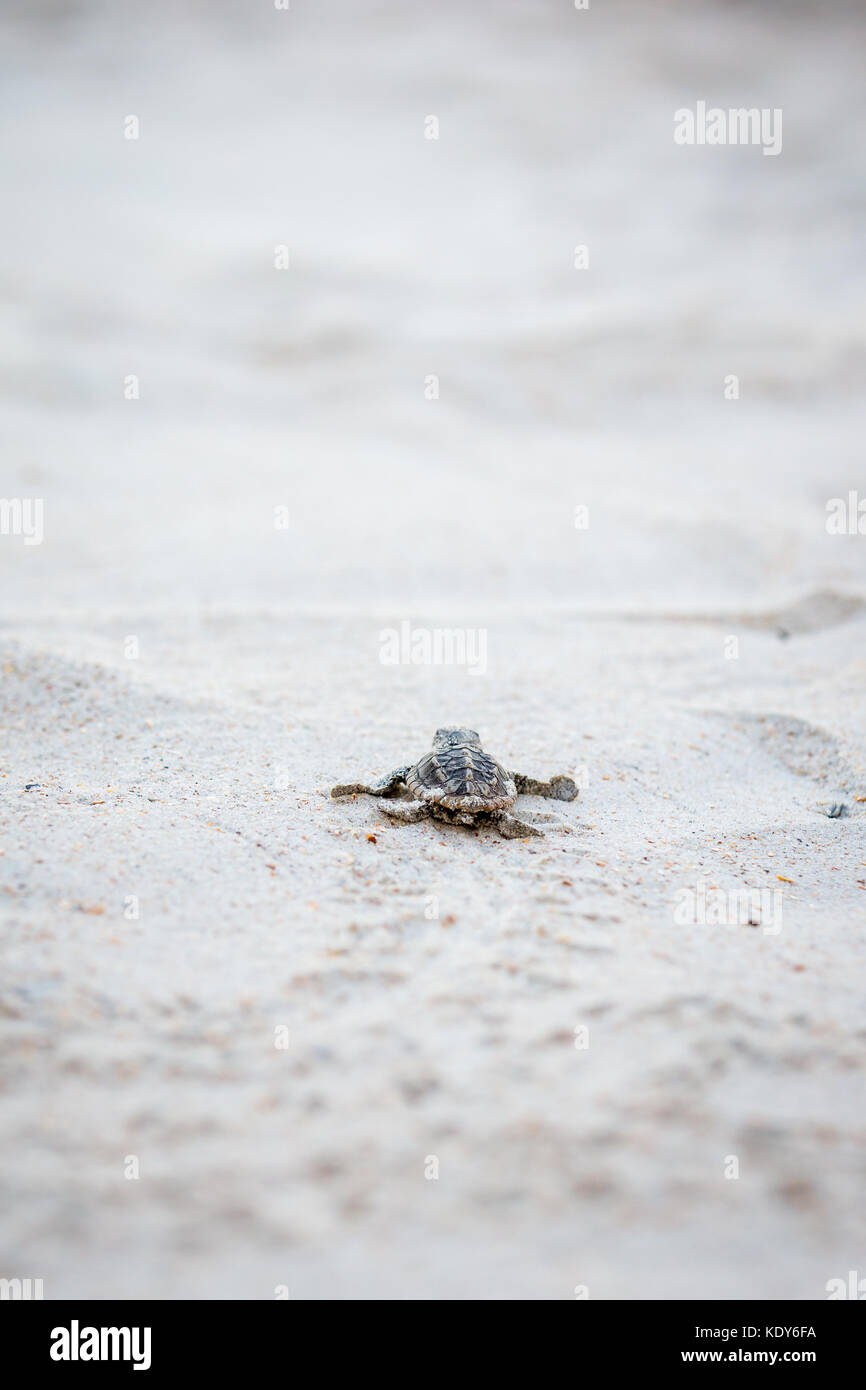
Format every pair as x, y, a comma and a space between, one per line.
195, 776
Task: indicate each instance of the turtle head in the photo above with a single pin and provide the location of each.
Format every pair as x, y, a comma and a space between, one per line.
455, 738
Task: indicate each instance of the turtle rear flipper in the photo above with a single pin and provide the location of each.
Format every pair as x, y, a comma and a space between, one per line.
510, 828
407, 810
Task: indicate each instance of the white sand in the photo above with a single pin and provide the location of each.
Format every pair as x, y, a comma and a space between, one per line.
195, 776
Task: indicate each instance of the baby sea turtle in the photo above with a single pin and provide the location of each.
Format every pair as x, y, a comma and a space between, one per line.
458, 782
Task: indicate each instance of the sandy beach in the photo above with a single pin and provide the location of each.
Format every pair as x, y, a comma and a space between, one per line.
255, 1040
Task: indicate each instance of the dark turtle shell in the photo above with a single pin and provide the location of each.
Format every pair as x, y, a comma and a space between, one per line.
461, 778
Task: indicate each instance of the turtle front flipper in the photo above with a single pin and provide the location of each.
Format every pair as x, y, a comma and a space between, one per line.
559, 788
387, 786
